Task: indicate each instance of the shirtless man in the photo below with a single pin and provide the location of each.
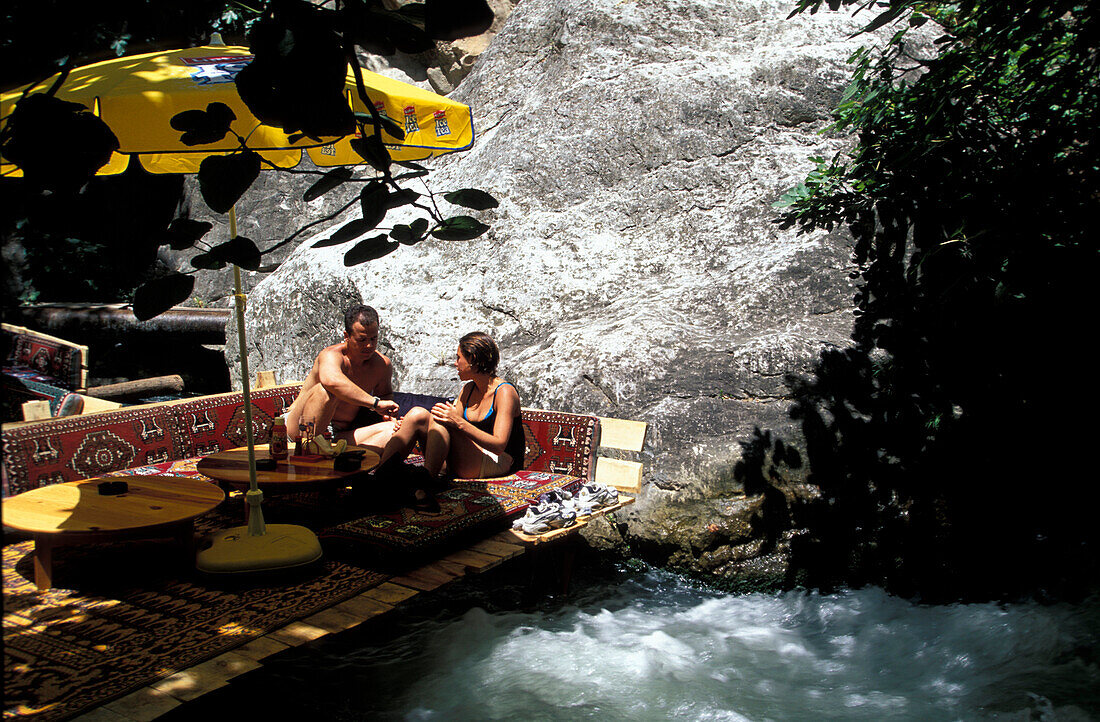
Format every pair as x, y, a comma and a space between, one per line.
349, 386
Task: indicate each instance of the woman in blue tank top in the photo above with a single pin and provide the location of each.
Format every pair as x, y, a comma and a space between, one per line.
479, 435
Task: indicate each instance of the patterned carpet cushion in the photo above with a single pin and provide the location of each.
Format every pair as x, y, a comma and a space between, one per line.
344, 524
560, 443
83, 447
210, 424
15, 390
469, 505
54, 360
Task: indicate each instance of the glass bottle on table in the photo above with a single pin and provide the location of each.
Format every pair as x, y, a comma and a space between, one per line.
278, 449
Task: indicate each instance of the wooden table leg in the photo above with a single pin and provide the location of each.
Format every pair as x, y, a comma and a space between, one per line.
43, 561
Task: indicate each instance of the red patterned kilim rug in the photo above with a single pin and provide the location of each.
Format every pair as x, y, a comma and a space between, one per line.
126, 615
467, 506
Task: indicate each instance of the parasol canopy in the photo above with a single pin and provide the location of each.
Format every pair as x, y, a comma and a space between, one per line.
137, 96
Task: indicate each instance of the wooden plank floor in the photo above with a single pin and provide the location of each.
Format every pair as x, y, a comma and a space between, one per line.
162, 696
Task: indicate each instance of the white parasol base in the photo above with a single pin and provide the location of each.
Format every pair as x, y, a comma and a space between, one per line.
235, 551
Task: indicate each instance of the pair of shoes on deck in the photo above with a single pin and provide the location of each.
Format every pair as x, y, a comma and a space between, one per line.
594, 496
587, 500
545, 514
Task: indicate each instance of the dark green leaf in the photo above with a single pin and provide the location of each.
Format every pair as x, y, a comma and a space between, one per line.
369, 250
471, 198
156, 297
388, 124
350, 231
333, 179
459, 228
410, 175
401, 198
402, 233
207, 262
204, 126
223, 179
57, 144
374, 200
410, 234
372, 150
884, 18
239, 251
183, 232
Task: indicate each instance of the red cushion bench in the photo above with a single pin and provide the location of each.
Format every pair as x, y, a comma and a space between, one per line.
168, 438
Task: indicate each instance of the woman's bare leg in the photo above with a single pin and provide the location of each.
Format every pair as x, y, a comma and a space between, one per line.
437, 447
414, 428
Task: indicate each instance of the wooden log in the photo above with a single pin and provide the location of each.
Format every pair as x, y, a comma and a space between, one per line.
141, 387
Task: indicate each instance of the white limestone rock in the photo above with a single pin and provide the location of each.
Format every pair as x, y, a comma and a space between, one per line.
632, 269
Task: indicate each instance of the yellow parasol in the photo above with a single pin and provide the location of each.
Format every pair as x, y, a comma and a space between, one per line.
138, 96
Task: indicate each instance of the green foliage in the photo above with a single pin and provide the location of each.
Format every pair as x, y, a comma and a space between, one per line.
971, 196
369, 250
473, 198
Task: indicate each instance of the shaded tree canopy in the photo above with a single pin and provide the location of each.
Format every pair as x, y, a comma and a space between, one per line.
948, 440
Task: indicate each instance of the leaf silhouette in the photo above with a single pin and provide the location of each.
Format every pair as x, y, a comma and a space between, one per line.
479, 200
223, 179
369, 250
459, 228
155, 297
333, 179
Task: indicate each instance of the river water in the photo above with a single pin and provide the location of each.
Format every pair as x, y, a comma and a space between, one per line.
648, 645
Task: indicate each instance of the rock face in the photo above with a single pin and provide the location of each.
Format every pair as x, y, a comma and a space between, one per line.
632, 269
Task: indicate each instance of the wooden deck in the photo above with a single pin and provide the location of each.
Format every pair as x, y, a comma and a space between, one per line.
189, 684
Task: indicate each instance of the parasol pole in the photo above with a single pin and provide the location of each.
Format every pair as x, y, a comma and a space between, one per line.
256, 547
253, 497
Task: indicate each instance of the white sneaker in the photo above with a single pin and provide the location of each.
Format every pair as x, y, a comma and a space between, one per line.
537, 513
561, 519
595, 495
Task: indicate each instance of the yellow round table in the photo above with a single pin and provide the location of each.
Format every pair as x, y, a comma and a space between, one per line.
75, 513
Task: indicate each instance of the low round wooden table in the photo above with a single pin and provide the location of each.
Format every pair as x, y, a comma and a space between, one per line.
75, 512
231, 466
